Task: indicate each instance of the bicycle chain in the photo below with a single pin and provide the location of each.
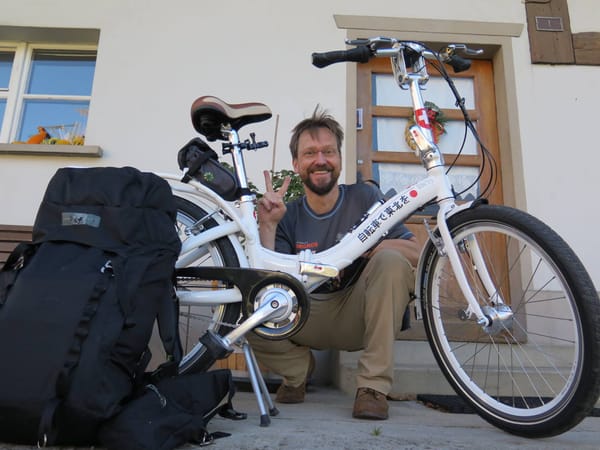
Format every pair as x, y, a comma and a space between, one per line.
205, 318
210, 321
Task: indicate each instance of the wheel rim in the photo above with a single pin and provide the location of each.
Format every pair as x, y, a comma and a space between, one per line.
195, 320
528, 371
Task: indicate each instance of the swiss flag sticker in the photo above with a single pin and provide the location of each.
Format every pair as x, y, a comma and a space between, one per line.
422, 119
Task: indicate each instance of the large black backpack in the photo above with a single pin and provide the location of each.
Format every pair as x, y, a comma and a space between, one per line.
78, 304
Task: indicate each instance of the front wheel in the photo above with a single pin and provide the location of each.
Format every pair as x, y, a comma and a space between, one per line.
535, 371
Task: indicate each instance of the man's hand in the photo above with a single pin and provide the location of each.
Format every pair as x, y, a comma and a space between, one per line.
270, 209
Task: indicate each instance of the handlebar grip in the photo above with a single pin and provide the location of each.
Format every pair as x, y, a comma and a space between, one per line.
459, 64
360, 54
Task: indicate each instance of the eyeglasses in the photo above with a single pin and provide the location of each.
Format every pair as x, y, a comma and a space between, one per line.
312, 154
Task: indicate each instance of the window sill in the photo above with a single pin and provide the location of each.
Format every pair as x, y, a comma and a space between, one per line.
91, 151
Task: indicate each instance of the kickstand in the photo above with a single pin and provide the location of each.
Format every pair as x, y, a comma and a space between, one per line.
258, 385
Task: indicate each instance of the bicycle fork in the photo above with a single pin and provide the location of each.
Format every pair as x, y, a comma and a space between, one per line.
434, 163
492, 317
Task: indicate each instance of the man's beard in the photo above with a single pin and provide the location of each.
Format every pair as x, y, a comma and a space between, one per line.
322, 189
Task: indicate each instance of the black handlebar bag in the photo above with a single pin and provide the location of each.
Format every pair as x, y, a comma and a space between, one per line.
79, 303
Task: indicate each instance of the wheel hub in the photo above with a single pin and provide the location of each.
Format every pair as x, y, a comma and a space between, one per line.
501, 318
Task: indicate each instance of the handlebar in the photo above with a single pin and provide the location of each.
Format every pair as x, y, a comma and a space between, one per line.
458, 64
386, 47
360, 54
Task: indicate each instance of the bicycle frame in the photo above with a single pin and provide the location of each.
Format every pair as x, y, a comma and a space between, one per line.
312, 269
518, 364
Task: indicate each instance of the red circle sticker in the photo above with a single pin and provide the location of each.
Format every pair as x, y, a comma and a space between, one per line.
413, 193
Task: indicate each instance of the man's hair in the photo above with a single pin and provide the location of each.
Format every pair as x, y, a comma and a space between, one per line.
320, 119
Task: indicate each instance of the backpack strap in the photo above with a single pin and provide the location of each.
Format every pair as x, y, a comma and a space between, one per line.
19, 256
17, 259
168, 326
226, 410
204, 437
47, 432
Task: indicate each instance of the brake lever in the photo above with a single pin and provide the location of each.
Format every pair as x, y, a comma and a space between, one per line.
358, 41
464, 49
374, 43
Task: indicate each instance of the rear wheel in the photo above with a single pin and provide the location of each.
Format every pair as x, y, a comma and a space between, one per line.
194, 321
535, 371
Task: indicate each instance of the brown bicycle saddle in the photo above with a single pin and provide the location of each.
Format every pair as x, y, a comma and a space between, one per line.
210, 114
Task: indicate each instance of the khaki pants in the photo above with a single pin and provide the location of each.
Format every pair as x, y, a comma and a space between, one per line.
366, 316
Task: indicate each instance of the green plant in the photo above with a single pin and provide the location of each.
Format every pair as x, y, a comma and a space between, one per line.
376, 431
295, 189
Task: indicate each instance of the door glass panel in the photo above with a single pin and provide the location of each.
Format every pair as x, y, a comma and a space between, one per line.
463, 179
388, 134
400, 176
397, 176
436, 88
387, 93
452, 141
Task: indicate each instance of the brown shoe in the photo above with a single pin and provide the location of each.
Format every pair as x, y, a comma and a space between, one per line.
289, 394
370, 404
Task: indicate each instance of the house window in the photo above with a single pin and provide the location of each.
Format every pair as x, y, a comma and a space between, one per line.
45, 93
6, 63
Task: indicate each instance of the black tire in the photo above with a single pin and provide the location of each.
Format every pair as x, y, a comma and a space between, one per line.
194, 321
538, 375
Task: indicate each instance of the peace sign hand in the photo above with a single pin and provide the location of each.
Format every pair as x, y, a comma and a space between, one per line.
270, 210
271, 207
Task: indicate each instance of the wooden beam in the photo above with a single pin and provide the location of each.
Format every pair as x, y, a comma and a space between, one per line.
549, 29
587, 48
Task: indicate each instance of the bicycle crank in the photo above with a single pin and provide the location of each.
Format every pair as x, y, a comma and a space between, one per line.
274, 304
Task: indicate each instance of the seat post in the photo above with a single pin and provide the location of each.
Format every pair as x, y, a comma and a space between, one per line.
238, 157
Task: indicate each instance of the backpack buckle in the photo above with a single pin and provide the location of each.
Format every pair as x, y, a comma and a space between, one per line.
107, 267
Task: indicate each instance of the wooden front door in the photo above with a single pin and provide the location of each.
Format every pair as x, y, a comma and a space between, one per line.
383, 150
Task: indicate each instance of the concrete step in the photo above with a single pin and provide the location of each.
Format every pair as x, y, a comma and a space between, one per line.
416, 371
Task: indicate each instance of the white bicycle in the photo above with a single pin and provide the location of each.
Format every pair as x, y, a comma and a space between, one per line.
517, 336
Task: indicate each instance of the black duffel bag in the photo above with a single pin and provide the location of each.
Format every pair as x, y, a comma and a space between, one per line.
172, 412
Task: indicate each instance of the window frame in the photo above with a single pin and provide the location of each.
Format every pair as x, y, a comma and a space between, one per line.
19, 80
9, 95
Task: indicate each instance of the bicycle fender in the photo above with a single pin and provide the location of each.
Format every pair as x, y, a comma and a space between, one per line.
467, 205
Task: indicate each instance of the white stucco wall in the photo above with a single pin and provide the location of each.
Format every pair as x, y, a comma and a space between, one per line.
156, 57
558, 122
